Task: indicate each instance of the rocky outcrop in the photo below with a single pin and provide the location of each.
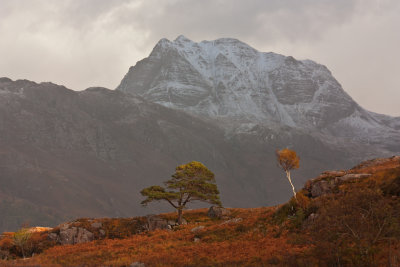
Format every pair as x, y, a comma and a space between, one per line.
96, 225
218, 212
197, 229
351, 176
328, 182
69, 235
86, 230
154, 222
232, 221
321, 187
333, 173
75, 235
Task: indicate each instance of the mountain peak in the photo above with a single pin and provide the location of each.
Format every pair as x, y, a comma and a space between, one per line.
181, 38
227, 41
162, 42
228, 80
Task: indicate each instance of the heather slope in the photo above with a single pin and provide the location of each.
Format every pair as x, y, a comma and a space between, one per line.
354, 220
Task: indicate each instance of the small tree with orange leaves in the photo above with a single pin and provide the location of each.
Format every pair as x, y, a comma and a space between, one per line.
287, 161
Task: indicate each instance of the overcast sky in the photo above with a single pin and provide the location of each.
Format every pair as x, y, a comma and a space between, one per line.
83, 43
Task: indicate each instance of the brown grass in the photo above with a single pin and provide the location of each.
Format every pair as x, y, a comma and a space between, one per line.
267, 236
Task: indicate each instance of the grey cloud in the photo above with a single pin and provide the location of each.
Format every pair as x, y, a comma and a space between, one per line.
268, 20
81, 43
288, 20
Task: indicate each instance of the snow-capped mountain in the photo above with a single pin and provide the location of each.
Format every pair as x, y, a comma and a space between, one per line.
67, 154
228, 80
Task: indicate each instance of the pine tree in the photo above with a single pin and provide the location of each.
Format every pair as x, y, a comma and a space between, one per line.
190, 182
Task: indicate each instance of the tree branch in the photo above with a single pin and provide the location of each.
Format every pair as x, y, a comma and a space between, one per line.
354, 233
187, 199
170, 202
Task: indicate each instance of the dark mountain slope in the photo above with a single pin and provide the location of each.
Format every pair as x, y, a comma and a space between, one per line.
65, 154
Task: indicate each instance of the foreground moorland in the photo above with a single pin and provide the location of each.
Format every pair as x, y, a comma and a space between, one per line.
340, 218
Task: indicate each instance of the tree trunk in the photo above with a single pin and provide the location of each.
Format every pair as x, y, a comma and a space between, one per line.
290, 181
180, 213
23, 252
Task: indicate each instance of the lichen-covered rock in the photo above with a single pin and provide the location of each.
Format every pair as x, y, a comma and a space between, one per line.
320, 188
329, 180
102, 232
197, 229
73, 235
351, 176
52, 236
310, 220
218, 212
172, 223
232, 221
154, 222
334, 173
137, 264
97, 225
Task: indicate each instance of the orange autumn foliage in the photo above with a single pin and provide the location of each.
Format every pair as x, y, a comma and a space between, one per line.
356, 223
248, 242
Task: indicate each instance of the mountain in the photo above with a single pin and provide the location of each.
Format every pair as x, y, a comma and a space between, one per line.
243, 89
66, 154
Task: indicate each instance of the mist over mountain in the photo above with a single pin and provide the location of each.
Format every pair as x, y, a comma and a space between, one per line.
67, 154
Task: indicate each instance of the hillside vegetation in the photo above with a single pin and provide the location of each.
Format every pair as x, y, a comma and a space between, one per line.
340, 218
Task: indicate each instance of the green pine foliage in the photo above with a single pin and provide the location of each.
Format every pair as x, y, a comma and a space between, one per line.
190, 182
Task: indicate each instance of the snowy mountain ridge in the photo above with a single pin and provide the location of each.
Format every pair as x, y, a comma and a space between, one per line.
230, 81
